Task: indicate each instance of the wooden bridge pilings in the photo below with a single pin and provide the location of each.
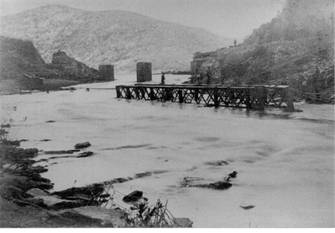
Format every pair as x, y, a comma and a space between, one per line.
250, 97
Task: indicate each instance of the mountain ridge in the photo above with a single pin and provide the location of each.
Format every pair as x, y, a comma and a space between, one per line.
119, 37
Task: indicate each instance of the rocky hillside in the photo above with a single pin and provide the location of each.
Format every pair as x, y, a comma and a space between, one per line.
295, 48
22, 67
116, 37
71, 69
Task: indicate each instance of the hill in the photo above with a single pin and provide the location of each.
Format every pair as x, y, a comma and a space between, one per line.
295, 48
22, 67
118, 37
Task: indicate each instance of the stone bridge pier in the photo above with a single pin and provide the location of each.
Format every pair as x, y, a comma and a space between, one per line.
144, 71
106, 72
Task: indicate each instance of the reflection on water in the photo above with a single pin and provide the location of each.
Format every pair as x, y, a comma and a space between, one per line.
285, 161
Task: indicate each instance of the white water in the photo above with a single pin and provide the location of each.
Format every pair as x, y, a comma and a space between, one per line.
285, 162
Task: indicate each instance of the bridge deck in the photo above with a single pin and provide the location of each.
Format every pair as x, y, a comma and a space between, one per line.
251, 97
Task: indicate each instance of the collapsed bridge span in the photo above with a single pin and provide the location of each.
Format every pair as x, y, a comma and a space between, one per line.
250, 97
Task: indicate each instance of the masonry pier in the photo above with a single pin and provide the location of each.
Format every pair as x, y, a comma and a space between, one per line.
106, 72
144, 71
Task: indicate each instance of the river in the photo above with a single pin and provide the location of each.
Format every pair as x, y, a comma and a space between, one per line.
285, 161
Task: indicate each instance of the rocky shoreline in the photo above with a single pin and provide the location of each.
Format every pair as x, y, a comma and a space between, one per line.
26, 199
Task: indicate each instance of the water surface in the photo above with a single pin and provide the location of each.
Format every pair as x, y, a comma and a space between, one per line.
285, 162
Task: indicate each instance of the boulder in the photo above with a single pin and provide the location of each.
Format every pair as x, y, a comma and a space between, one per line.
143, 174
201, 183
85, 154
45, 140
59, 152
38, 184
11, 142
233, 174
38, 169
36, 192
133, 196
80, 196
217, 163
247, 207
219, 185
55, 203
230, 176
5, 126
189, 181
82, 145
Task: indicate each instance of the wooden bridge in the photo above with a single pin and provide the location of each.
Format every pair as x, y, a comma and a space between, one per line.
250, 97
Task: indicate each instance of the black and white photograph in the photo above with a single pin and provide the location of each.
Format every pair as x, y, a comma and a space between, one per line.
167, 114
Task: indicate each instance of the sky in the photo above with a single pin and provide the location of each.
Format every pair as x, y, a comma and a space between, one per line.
227, 18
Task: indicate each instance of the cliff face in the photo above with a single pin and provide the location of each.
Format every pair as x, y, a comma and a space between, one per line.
112, 37
18, 60
291, 49
17, 56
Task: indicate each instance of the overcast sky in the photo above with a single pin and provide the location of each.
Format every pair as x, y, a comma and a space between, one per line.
230, 18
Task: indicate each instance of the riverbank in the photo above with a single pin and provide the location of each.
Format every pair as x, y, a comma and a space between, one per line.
26, 199
48, 85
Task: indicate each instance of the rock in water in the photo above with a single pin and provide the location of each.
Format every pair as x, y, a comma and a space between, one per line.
143, 174
191, 181
5, 125
220, 185
59, 152
133, 196
217, 163
85, 154
247, 207
82, 145
233, 174
45, 140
